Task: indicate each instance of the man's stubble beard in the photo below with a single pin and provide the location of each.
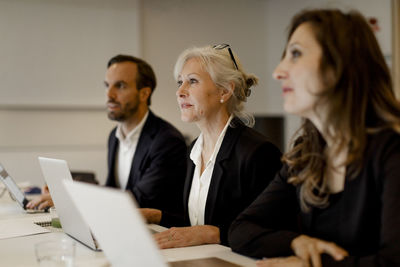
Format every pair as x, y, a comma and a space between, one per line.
126, 113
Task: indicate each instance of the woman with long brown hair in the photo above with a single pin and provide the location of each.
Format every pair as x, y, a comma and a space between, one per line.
336, 201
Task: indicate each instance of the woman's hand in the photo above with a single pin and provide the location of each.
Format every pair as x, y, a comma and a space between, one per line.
151, 215
292, 261
309, 249
41, 202
176, 237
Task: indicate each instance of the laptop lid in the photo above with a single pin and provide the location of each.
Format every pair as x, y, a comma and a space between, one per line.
16, 192
117, 224
12, 187
54, 172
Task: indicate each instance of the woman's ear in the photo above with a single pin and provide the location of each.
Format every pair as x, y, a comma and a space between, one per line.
226, 93
329, 79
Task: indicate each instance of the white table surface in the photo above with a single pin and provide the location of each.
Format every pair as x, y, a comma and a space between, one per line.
19, 251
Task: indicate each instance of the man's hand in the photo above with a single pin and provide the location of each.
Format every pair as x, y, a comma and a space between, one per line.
151, 215
41, 202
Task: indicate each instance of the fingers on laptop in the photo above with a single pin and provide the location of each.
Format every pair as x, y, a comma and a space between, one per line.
41, 202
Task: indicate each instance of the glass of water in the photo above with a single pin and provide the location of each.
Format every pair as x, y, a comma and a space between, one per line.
55, 253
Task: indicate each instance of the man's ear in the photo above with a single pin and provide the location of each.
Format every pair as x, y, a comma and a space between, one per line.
144, 94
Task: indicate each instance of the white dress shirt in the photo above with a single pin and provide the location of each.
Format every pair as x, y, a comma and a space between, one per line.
126, 151
201, 183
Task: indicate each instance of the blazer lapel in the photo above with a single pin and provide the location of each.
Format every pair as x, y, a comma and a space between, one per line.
142, 148
187, 187
228, 144
111, 160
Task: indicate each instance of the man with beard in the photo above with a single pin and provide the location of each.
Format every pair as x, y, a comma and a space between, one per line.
146, 154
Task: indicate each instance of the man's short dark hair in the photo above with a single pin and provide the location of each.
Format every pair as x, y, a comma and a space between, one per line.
146, 76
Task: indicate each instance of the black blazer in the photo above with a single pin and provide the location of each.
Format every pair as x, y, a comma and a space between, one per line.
245, 164
364, 219
158, 168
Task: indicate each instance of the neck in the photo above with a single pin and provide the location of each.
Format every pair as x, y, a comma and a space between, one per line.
211, 129
130, 123
318, 118
328, 133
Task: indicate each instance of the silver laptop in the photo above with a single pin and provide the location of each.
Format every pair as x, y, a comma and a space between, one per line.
117, 225
55, 171
121, 230
15, 191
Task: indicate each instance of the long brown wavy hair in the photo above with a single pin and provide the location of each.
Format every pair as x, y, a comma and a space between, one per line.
360, 100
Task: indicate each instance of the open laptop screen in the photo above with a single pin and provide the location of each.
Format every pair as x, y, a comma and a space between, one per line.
12, 187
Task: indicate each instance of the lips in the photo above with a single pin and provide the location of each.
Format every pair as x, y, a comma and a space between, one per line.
185, 105
112, 105
287, 90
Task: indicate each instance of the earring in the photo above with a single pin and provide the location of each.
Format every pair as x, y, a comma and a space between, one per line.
222, 101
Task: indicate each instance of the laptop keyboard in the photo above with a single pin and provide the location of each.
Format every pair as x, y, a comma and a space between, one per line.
30, 211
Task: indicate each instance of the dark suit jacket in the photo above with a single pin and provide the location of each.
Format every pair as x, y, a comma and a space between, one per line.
364, 219
159, 165
245, 164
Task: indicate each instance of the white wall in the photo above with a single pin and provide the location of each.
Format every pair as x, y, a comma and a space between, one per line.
169, 27
254, 28
78, 136
53, 58
55, 51
277, 18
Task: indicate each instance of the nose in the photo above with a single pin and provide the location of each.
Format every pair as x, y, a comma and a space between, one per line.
279, 73
182, 91
110, 93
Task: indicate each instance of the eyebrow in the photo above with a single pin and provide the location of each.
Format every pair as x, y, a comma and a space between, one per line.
293, 44
193, 73
117, 82
120, 81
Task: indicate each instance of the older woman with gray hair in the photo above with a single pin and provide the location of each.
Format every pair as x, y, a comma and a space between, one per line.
229, 163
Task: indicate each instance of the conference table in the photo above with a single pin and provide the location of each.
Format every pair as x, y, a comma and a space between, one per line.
19, 251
